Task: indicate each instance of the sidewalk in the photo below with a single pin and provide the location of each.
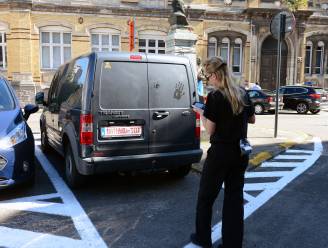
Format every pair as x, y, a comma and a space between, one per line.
265, 146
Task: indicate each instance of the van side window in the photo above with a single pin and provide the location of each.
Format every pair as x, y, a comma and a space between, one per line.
72, 85
52, 97
168, 86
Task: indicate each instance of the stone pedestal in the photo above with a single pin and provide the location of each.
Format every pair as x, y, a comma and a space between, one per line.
181, 40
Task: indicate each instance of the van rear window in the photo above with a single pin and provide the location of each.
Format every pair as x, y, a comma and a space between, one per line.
169, 86
123, 85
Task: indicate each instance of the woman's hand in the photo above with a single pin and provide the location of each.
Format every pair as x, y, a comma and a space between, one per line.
198, 110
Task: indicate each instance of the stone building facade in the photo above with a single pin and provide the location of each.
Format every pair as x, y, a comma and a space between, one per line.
36, 36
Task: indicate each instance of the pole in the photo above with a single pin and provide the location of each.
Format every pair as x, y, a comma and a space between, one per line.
281, 37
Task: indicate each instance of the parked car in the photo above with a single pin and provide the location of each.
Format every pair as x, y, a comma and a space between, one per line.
323, 93
16, 139
264, 102
122, 112
301, 98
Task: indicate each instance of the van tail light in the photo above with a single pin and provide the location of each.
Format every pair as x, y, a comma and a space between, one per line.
315, 96
86, 129
197, 130
270, 99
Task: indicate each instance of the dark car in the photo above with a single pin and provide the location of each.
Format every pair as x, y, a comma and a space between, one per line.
121, 112
301, 98
16, 140
264, 102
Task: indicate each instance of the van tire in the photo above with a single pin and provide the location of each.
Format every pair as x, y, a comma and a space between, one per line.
181, 171
73, 178
45, 147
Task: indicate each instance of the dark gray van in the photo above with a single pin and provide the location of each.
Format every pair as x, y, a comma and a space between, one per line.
122, 112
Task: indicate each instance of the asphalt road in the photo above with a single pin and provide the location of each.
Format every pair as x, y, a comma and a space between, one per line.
156, 210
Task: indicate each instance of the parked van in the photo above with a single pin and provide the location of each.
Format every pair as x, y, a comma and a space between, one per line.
121, 112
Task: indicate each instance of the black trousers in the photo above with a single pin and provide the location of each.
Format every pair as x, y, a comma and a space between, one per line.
223, 164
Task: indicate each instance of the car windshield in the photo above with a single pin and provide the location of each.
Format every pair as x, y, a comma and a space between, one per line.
6, 99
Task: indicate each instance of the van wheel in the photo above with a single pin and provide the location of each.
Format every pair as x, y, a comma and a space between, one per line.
45, 147
259, 109
315, 111
181, 171
73, 178
302, 108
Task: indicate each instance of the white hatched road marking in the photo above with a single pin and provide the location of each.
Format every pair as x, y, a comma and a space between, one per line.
296, 157
280, 164
271, 189
11, 237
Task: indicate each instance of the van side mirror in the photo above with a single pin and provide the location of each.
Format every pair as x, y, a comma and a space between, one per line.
30, 109
39, 98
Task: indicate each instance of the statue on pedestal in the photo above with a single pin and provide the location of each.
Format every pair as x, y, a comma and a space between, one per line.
179, 14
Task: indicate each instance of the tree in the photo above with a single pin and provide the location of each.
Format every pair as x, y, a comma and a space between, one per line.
294, 5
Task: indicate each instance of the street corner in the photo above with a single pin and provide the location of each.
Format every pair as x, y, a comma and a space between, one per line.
269, 147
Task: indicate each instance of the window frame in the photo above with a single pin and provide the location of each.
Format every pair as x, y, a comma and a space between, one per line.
238, 41
309, 67
212, 41
110, 33
51, 46
225, 40
320, 48
147, 48
3, 47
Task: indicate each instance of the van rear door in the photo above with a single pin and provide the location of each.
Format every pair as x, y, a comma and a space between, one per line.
121, 104
172, 121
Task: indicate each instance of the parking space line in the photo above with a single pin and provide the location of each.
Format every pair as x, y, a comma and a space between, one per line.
70, 207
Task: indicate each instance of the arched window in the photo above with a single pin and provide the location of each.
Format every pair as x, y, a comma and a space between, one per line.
55, 46
212, 47
3, 48
319, 58
225, 49
152, 41
104, 39
308, 57
237, 56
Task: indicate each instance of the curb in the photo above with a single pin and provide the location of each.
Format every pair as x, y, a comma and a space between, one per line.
257, 159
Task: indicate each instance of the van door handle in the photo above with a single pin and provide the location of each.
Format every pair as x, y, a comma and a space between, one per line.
158, 115
186, 113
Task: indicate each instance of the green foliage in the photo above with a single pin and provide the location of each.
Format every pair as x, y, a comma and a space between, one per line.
294, 5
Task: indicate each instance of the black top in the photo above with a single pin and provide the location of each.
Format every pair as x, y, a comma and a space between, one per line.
229, 127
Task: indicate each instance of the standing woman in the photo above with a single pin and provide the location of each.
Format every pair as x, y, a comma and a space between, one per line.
228, 110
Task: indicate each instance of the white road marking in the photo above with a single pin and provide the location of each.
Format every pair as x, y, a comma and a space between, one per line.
248, 197
296, 157
70, 207
299, 151
266, 174
271, 189
280, 164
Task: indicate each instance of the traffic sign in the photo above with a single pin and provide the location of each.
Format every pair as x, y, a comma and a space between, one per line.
288, 27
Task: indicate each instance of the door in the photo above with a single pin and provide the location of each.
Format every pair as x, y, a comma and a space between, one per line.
51, 108
60, 96
172, 122
120, 108
268, 72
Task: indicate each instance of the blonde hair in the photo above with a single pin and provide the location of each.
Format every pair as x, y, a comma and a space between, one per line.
227, 86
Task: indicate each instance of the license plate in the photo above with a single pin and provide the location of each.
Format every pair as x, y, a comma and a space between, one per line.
121, 131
